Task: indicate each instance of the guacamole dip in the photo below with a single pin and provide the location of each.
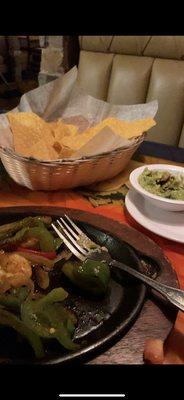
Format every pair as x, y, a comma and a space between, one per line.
163, 183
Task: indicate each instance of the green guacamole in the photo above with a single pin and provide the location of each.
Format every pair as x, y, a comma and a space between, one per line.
163, 183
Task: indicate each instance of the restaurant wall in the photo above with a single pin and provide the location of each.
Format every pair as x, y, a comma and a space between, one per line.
51, 58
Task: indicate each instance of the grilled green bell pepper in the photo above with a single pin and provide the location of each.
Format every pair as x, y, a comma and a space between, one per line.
15, 240
14, 298
46, 318
57, 243
54, 296
63, 324
91, 276
46, 240
11, 320
8, 230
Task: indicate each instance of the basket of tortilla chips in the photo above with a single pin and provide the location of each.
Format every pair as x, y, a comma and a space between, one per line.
58, 155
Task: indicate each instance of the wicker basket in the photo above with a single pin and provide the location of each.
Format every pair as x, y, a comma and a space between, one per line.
66, 174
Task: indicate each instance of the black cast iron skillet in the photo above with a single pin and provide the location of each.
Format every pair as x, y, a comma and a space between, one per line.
100, 321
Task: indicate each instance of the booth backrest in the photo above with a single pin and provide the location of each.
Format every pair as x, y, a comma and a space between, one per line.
138, 69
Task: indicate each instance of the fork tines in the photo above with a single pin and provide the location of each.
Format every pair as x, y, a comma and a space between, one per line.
70, 233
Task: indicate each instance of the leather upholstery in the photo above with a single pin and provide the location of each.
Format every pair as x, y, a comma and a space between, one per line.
136, 69
167, 85
94, 73
181, 142
152, 46
129, 79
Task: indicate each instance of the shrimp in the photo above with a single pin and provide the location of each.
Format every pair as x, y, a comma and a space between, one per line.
15, 271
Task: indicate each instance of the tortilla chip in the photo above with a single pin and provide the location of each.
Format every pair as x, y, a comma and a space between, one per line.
57, 147
126, 129
80, 140
31, 121
60, 130
53, 127
28, 129
66, 152
34, 137
40, 151
78, 120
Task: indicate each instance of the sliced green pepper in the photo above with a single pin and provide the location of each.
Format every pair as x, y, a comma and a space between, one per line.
16, 239
91, 276
54, 296
60, 313
57, 243
46, 240
14, 298
8, 230
9, 319
62, 323
45, 318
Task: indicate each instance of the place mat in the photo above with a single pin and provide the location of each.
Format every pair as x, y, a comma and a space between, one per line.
112, 191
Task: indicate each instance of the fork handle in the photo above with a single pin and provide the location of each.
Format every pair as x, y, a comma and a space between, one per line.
173, 295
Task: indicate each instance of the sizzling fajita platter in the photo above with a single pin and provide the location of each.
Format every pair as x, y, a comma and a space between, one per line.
56, 309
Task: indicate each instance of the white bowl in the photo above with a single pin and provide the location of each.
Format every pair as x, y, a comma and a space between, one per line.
158, 201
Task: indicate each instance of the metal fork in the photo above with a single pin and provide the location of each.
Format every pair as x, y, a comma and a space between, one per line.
84, 248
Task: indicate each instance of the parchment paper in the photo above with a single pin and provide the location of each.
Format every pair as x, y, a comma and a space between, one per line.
64, 98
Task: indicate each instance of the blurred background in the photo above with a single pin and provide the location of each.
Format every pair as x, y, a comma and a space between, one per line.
29, 61
117, 69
